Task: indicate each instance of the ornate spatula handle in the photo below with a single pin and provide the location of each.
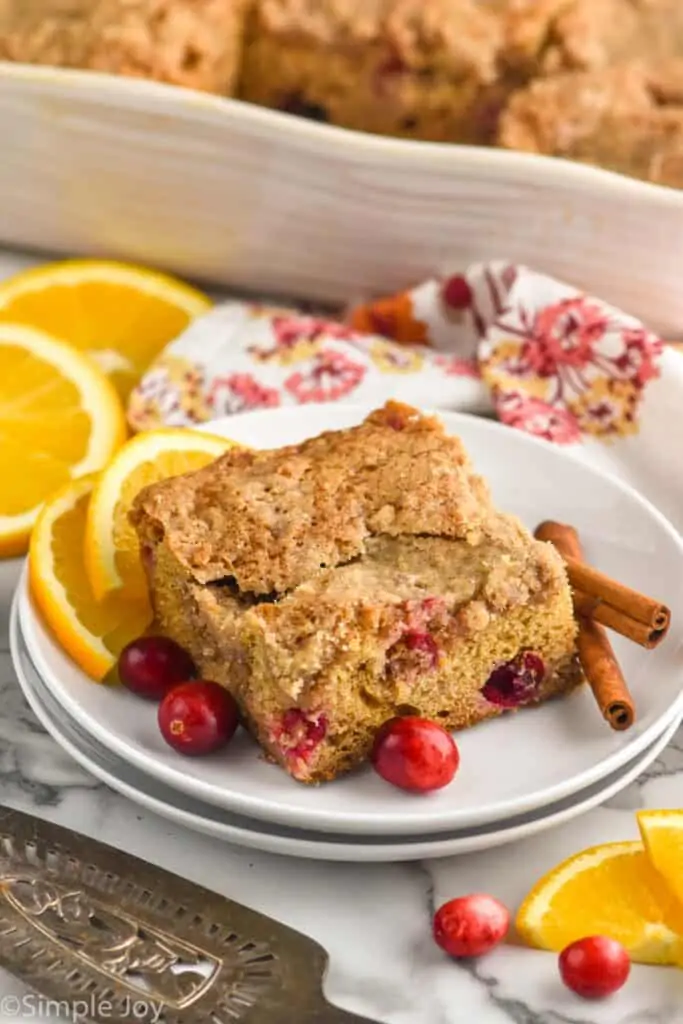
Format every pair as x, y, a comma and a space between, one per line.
94, 928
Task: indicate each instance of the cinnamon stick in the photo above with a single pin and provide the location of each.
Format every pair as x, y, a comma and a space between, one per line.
597, 596
598, 660
599, 586
638, 632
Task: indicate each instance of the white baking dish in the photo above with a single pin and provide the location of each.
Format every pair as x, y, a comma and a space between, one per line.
227, 192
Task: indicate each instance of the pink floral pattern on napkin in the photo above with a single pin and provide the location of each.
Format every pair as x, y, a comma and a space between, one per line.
553, 361
575, 359
559, 364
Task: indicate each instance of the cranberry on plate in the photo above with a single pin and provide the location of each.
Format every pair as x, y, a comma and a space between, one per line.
594, 967
415, 754
471, 925
152, 665
198, 717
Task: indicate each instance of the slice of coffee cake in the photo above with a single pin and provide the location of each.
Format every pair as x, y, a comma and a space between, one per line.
359, 575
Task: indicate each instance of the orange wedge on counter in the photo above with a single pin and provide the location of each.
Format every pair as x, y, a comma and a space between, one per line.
60, 418
121, 315
112, 554
611, 890
662, 833
91, 632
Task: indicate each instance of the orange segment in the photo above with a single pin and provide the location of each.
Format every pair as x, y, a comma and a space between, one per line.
123, 316
112, 555
92, 633
610, 890
60, 418
662, 833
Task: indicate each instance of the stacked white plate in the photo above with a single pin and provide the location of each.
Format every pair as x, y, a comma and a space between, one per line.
519, 774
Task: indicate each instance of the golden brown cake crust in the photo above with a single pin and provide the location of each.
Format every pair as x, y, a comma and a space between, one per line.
421, 69
271, 520
628, 119
543, 37
456, 34
194, 43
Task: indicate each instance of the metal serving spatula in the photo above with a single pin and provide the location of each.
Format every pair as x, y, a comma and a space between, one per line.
110, 937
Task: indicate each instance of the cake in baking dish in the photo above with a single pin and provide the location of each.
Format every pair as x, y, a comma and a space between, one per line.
500, 72
362, 574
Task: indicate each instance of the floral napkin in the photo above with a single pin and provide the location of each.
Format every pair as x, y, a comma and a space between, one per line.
541, 355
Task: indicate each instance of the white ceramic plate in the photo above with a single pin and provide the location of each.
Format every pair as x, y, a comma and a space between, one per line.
155, 796
512, 765
257, 200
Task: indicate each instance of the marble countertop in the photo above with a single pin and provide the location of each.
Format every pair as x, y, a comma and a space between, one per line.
374, 920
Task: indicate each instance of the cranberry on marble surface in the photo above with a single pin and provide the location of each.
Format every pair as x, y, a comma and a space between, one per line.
515, 682
152, 665
471, 925
198, 718
594, 967
415, 754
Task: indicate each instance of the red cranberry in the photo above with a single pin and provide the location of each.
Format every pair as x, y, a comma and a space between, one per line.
515, 682
152, 665
471, 925
415, 754
198, 717
425, 644
300, 734
594, 967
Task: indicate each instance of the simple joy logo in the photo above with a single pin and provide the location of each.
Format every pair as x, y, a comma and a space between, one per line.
33, 1006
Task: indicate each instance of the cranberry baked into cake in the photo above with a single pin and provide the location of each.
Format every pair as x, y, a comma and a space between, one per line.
362, 574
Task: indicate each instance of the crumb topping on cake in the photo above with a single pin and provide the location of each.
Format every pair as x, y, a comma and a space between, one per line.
194, 43
627, 118
271, 520
450, 36
544, 37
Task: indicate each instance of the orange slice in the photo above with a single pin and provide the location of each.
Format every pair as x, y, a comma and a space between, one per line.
121, 315
60, 418
609, 890
92, 633
662, 833
112, 555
